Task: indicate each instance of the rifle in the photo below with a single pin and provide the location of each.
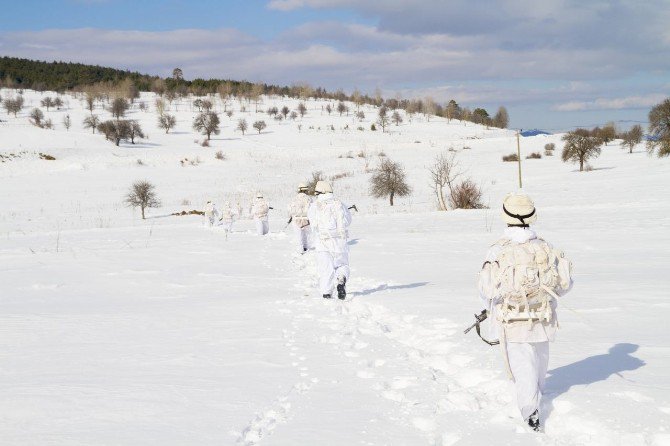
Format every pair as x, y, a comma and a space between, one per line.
479, 318
353, 206
288, 222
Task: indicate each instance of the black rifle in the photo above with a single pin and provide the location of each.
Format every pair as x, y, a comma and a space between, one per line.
479, 318
353, 206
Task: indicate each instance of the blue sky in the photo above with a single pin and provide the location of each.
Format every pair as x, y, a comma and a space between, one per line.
554, 64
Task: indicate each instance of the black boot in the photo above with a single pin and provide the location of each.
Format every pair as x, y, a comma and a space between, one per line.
327, 296
534, 421
341, 291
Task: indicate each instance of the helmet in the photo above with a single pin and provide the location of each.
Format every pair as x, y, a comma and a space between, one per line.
518, 209
323, 187
302, 187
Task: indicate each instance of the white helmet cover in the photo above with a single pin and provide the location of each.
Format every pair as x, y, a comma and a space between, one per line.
518, 209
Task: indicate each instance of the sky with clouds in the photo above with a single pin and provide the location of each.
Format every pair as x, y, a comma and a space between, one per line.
555, 64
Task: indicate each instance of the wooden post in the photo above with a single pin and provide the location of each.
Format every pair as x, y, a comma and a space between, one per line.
518, 154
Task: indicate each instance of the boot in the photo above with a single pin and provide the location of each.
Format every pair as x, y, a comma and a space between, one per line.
534, 421
341, 291
327, 296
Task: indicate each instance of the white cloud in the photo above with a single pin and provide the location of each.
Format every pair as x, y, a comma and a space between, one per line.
628, 102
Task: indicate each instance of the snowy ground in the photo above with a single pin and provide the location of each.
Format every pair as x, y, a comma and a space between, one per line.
118, 331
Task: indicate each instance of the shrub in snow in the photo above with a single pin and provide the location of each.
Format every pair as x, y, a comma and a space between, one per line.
466, 195
142, 195
259, 125
242, 125
36, 117
534, 155
220, 156
510, 157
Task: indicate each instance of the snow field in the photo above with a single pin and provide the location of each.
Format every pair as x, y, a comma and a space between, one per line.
122, 331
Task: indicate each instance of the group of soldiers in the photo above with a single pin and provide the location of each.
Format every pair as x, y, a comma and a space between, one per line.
520, 281
320, 224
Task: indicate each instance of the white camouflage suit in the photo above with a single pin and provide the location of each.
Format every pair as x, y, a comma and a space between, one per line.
525, 345
228, 216
211, 214
297, 211
259, 211
329, 219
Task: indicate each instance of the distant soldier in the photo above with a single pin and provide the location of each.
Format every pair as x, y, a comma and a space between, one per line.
259, 211
297, 212
211, 214
228, 216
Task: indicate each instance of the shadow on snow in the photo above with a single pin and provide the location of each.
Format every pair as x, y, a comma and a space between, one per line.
384, 286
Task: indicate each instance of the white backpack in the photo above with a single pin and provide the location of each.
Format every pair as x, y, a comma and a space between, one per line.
528, 276
329, 222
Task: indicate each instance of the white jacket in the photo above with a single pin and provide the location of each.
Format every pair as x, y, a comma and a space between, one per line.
329, 219
228, 214
515, 331
298, 209
260, 209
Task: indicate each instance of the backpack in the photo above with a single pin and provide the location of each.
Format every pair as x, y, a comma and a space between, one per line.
329, 219
528, 276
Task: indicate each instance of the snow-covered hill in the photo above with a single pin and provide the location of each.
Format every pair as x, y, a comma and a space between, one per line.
117, 330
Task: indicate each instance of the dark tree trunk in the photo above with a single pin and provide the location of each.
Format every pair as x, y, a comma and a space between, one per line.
391, 198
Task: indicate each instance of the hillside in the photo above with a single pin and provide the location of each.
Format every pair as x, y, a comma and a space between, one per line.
117, 330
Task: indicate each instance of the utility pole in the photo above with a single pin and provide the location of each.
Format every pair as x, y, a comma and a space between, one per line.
518, 154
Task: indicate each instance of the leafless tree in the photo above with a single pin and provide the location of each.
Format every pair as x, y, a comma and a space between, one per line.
13, 106
293, 115
47, 102
142, 194
580, 145
177, 74
501, 118
90, 101
360, 115
396, 118
36, 117
242, 125
341, 108
443, 174
119, 108
134, 131
329, 109
67, 122
302, 109
115, 131
382, 118
259, 125
632, 137
207, 123
659, 129
58, 103
389, 180
285, 111
166, 122
91, 122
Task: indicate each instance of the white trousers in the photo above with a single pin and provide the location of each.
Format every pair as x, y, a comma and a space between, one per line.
332, 267
210, 221
228, 226
301, 237
262, 226
528, 362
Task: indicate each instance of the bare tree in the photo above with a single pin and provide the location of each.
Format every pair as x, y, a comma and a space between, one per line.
429, 107
134, 131
293, 115
229, 113
142, 194
329, 109
443, 173
67, 122
13, 106
260, 125
396, 118
115, 131
382, 118
119, 108
580, 146
177, 74
47, 102
659, 129
341, 108
242, 125
501, 118
207, 123
285, 111
389, 180
302, 109
58, 103
91, 122
166, 122
632, 137
90, 101
272, 111
36, 117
